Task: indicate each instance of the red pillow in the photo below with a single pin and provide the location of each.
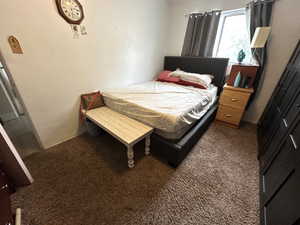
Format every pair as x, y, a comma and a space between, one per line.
164, 77
188, 83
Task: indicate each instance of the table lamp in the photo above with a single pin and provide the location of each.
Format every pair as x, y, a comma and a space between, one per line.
260, 37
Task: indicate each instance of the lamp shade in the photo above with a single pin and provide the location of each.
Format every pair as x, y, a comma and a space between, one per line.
260, 37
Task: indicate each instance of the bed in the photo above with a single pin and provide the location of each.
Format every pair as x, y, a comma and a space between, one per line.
180, 114
169, 108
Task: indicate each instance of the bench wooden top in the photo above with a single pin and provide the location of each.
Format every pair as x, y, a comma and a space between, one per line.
125, 129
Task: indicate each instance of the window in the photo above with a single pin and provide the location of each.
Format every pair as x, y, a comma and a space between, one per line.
233, 36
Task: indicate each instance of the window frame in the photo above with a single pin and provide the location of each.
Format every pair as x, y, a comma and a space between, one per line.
224, 16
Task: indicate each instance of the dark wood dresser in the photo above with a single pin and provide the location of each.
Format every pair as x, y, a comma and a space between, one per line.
6, 216
13, 174
279, 150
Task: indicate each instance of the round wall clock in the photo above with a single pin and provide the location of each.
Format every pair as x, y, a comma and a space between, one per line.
70, 10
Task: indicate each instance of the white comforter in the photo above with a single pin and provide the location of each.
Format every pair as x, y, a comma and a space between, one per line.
170, 108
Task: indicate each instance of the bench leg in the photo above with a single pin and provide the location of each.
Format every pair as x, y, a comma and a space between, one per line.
147, 149
130, 156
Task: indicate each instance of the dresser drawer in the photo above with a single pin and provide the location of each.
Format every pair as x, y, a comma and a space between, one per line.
5, 208
229, 115
234, 99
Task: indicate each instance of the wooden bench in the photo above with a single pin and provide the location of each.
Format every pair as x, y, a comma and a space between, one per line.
123, 128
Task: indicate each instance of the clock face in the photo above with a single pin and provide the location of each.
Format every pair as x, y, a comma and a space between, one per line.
71, 11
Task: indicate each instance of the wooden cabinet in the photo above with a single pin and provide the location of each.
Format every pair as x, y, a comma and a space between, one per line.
279, 150
6, 216
233, 102
280, 182
13, 174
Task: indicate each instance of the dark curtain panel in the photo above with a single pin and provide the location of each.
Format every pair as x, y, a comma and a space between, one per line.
259, 13
200, 34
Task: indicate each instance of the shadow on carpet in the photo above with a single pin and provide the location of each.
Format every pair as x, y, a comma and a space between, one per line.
86, 181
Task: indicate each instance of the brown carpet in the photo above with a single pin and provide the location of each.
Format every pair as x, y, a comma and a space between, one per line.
85, 181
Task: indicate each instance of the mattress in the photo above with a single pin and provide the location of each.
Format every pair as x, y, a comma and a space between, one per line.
170, 108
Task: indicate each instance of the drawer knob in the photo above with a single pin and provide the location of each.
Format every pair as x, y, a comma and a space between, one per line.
293, 141
234, 100
4, 187
228, 115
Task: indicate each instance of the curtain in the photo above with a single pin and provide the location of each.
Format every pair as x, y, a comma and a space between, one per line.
259, 15
201, 34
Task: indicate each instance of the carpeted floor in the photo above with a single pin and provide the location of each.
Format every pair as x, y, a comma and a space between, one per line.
85, 181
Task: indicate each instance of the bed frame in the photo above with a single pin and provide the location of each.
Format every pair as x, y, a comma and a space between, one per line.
176, 151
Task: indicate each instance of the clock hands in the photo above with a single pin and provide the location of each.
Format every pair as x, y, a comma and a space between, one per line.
71, 10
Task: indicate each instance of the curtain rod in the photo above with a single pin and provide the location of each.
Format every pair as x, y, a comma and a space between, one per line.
255, 1
199, 13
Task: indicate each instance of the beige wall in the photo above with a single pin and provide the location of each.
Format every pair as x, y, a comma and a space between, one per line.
284, 37
285, 34
125, 44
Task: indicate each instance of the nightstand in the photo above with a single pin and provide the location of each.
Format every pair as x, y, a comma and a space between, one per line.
233, 102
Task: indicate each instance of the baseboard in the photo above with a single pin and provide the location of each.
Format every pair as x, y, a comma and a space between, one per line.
65, 139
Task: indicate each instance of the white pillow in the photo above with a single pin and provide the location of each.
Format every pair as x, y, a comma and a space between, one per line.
203, 79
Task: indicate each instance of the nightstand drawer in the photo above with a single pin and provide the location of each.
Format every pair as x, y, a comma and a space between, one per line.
234, 99
229, 115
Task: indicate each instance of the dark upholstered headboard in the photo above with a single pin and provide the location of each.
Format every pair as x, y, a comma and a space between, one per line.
214, 66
